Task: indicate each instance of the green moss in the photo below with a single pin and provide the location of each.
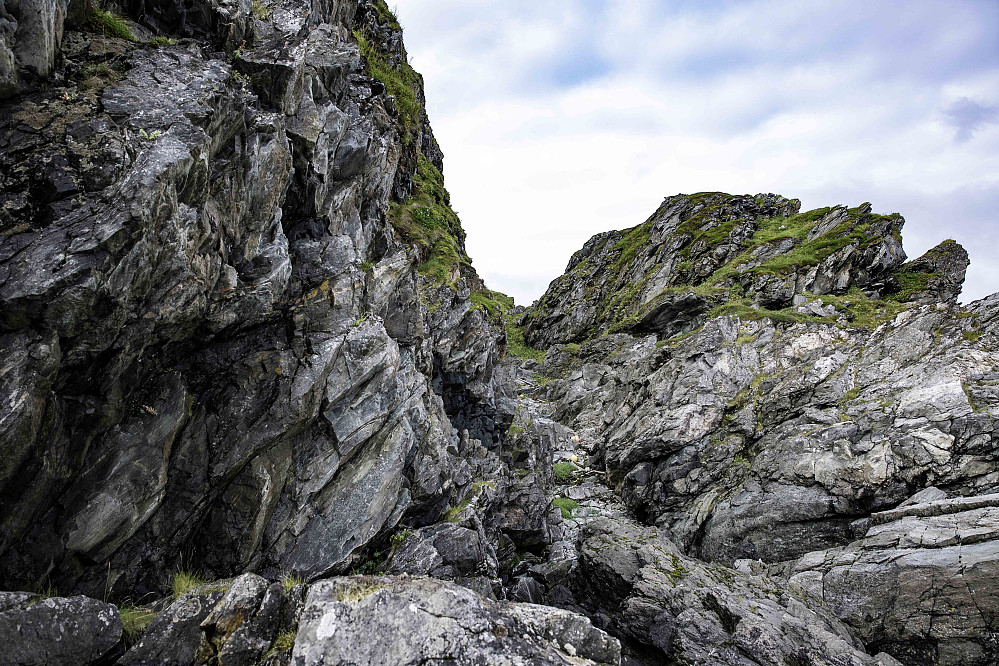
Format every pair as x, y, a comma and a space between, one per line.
972, 336
109, 24
563, 470
402, 83
162, 41
565, 505
910, 283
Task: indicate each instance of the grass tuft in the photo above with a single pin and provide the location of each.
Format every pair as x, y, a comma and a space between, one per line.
135, 620
109, 24
565, 505
563, 471
184, 582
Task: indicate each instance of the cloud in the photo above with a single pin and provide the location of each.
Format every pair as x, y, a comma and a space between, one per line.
967, 116
561, 120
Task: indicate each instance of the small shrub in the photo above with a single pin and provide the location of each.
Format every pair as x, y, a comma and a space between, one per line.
565, 505
563, 471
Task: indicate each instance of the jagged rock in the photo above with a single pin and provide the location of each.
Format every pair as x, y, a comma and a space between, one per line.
712, 252
218, 342
682, 611
935, 277
73, 631
920, 584
379, 620
37, 35
445, 551
753, 440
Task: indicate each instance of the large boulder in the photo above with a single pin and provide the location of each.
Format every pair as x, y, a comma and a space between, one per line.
58, 631
407, 621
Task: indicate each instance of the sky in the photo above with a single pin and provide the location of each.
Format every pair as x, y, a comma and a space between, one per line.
559, 120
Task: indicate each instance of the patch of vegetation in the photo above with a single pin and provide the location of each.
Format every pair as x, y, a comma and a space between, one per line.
563, 471
354, 591
910, 283
261, 11
572, 349
493, 303
427, 221
399, 537
109, 24
542, 380
162, 41
863, 312
184, 582
285, 640
402, 83
515, 430
290, 580
385, 15
366, 266
972, 336
565, 505
453, 514
135, 620
516, 344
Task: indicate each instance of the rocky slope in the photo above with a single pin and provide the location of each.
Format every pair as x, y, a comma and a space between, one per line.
256, 406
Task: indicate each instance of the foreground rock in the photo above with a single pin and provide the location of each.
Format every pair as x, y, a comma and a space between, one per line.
677, 610
382, 620
73, 631
921, 584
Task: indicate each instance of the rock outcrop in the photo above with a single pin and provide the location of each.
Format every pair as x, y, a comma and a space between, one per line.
241, 341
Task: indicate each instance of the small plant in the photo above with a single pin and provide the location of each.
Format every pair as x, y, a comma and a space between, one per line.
563, 471
399, 537
285, 640
238, 53
972, 336
184, 582
355, 590
366, 266
150, 136
290, 580
109, 24
565, 505
162, 41
135, 620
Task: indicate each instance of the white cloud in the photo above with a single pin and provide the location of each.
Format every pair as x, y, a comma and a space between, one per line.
561, 120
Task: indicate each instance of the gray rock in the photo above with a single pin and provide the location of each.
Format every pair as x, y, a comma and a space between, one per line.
684, 611
57, 631
378, 620
921, 583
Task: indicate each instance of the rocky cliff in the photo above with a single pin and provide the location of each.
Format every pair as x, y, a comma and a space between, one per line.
256, 406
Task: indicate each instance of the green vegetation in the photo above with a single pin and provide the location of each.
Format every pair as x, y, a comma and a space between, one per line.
135, 620
285, 640
261, 11
354, 590
563, 470
402, 83
972, 336
453, 515
910, 283
162, 41
427, 221
515, 342
399, 537
290, 580
385, 15
565, 505
493, 303
515, 430
109, 24
184, 582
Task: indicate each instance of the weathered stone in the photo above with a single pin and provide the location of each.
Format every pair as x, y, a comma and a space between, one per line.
73, 631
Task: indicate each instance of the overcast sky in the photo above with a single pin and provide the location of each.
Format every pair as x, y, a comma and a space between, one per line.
562, 119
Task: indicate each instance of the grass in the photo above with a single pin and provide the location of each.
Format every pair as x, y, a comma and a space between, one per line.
385, 15
162, 41
427, 221
565, 505
563, 471
184, 582
910, 283
493, 303
109, 24
135, 620
291, 580
354, 591
515, 343
402, 83
285, 640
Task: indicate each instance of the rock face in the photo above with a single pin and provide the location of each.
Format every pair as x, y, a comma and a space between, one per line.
709, 253
217, 308
241, 338
920, 583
